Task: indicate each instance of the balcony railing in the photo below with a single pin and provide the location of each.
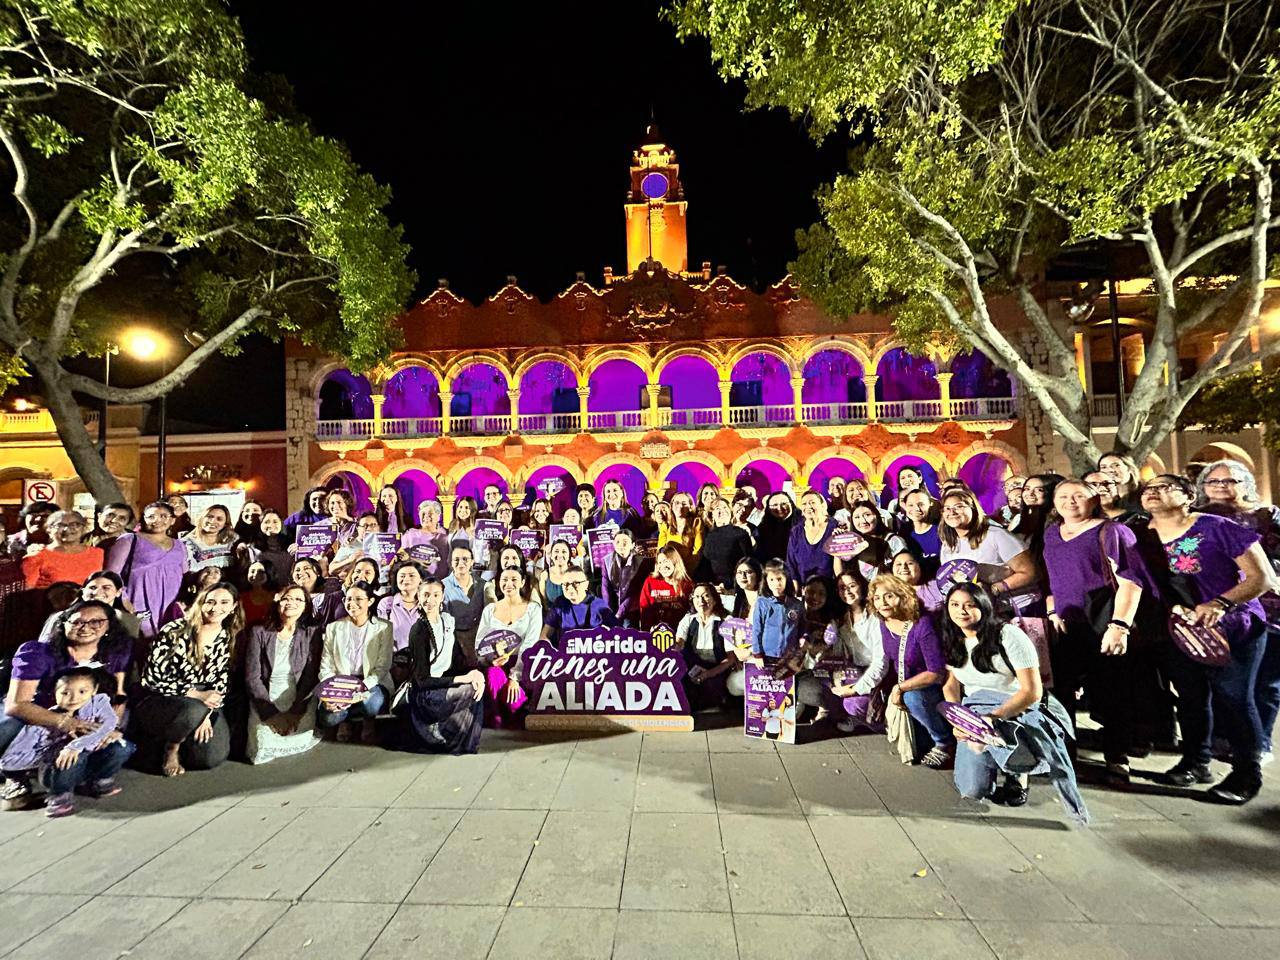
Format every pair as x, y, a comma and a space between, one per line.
980, 409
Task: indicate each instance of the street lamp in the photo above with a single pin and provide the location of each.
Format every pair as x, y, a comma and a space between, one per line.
141, 344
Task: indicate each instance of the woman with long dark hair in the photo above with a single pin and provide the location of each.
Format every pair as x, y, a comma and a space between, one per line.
1004, 564
282, 665
212, 542
390, 511
324, 593
312, 511
151, 564
994, 670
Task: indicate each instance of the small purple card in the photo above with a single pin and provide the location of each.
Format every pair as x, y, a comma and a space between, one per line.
736, 631
527, 541
567, 533
845, 544
425, 554
977, 726
1202, 644
383, 547
600, 544
495, 645
343, 690
315, 539
956, 571
491, 530
550, 487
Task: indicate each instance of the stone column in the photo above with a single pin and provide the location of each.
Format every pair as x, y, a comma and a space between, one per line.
584, 393
300, 427
378, 400
446, 509
513, 398
870, 380
446, 404
654, 389
797, 398
944, 393
725, 387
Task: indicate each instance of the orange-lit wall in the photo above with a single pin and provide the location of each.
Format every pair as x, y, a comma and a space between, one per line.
261, 457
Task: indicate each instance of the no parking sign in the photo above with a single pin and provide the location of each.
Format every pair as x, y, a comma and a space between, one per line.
39, 491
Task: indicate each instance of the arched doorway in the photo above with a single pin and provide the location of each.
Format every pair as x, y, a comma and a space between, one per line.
632, 478
355, 485
551, 473
476, 479
832, 467
890, 478
689, 477
766, 476
618, 397
344, 396
414, 486
761, 390
549, 398
985, 474
694, 391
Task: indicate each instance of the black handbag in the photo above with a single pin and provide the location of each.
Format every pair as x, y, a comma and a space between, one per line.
1100, 604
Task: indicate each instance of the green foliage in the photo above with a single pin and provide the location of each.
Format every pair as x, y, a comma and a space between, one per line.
1237, 403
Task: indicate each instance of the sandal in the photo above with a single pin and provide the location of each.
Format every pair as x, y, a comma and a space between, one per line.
939, 758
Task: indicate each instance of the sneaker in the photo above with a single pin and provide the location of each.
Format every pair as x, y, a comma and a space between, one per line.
822, 714
939, 758
1118, 772
1011, 793
99, 789
1187, 772
1237, 787
18, 795
848, 725
400, 702
60, 805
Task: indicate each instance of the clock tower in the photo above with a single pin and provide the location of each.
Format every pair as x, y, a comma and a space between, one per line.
656, 207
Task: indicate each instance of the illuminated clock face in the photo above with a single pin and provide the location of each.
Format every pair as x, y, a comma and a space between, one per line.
654, 186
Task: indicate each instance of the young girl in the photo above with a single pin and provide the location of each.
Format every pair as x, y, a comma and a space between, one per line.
778, 616
705, 657
86, 764
512, 611
664, 598
272, 549
994, 670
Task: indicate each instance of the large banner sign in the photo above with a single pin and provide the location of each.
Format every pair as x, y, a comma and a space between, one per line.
604, 677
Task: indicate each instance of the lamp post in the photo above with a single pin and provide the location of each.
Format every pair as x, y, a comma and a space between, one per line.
104, 403
145, 345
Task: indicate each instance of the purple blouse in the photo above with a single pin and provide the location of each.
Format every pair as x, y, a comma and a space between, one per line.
402, 618
805, 559
43, 662
1205, 557
923, 649
1075, 566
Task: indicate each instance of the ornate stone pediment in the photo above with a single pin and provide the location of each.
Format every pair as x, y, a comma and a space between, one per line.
651, 301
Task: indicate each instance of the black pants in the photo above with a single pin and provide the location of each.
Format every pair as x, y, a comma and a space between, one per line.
162, 720
1110, 681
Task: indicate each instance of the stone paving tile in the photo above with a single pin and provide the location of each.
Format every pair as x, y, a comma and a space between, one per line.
733, 740
556, 933
675, 782
695, 742
752, 784
377, 785
935, 939
103, 928
821, 739
783, 849
1073, 941
875, 865
578, 861
764, 937
30, 852
524, 781
192, 864
619, 745
451, 782
831, 784
386, 860
210, 930
645, 935
292, 860
598, 780
675, 861
97, 865
311, 930
483, 859
452, 932
23, 916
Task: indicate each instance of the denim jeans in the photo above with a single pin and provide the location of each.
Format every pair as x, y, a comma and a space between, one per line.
975, 773
90, 766
1267, 689
9, 727
922, 704
366, 709
1233, 686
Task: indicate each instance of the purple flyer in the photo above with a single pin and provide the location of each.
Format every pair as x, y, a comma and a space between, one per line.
383, 547
845, 544
527, 541
769, 708
736, 632
425, 554
315, 539
975, 725
343, 690
567, 533
1202, 644
600, 544
491, 530
955, 571
495, 645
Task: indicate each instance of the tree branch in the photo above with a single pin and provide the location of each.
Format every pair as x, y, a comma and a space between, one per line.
9, 286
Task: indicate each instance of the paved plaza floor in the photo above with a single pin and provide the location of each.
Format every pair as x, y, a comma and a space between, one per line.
702, 845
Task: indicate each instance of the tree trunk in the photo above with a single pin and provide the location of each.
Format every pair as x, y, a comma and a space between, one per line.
80, 448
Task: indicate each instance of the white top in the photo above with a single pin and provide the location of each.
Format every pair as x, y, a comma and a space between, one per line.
372, 644
864, 646
528, 625
992, 555
704, 636
442, 629
1022, 654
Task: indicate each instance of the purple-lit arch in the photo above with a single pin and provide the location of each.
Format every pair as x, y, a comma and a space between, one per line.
760, 378
767, 476
985, 474
549, 386
565, 497
974, 375
833, 376
412, 392
908, 460
415, 486
617, 384
689, 477
832, 467
476, 479
694, 383
632, 478
480, 389
345, 396
904, 376
354, 484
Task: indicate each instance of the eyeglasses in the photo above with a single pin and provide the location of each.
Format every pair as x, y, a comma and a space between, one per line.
1221, 482
574, 584
1158, 488
957, 509
86, 624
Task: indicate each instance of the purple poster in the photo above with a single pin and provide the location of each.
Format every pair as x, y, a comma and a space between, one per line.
383, 547
600, 544
845, 544
425, 554
527, 541
343, 690
769, 710
491, 530
315, 539
609, 671
567, 532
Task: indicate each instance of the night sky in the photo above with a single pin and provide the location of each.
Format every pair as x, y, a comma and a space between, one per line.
505, 133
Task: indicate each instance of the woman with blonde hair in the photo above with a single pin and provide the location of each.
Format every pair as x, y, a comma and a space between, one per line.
664, 598
684, 529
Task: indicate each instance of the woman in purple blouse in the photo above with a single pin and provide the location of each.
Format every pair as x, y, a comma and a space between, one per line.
1217, 572
807, 546
913, 649
1084, 553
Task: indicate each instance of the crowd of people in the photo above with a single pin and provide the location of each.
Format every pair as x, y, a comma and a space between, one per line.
175, 643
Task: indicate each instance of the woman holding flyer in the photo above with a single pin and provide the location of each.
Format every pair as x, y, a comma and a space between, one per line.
427, 544
994, 672
1004, 565
614, 510
513, 611
358, 648
707, 662
866, 521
